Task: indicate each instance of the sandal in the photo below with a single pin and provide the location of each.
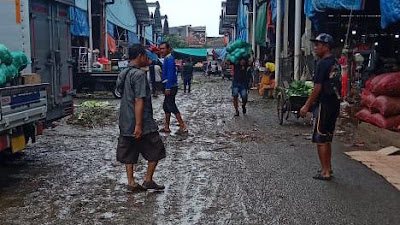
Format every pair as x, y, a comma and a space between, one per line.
136, 188
321, 177
163, 130
182, 132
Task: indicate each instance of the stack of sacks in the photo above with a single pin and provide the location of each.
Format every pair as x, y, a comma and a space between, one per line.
11, 63
381, 101
238, 50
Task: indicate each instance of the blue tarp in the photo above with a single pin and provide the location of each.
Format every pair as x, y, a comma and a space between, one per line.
274, 11
390, 12
221, 53
133, 38
122, 14
80, 23
82, 4
151, 55
314, 7
110, 29
242, 22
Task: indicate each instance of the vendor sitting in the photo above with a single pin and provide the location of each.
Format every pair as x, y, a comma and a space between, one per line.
267, 85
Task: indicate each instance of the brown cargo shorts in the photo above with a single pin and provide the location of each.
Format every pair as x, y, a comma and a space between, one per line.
150, 146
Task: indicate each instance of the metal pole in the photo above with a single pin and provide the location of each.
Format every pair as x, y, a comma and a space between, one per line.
105, 33
90, 27
254, 27
248, 24
286, 30
278, 42
297, 40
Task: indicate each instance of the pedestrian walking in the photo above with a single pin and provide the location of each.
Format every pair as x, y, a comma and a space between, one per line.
138, 129
187, 75
240, 85
170, 81
157, 74
324, 102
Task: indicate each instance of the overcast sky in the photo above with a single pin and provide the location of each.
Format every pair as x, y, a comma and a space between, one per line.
193, 12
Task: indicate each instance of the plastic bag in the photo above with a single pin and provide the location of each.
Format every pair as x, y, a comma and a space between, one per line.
367, 99
390, 123
3, 70
387, 106
386, 84
5, 55
20, 61
364, 115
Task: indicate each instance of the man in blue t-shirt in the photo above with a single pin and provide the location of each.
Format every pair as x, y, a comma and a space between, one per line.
170, 81
324, 105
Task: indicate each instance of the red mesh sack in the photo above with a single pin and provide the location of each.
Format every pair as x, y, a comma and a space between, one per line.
364, 115
387, 84
387, 106
390, 123
367, 99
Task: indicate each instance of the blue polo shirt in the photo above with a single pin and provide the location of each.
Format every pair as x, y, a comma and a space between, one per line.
169, 76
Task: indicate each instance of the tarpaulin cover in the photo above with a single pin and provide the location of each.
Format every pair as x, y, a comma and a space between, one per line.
197, 54
390, 12
80, 23
274, 11
110, 29
133, 38
261, 25
242, 22
122, 14
82, 4
313, 7
221, 53
112, 47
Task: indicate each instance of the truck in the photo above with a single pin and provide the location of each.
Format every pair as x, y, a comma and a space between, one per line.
40, 29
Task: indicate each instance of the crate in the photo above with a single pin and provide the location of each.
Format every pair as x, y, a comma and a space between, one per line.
107, 67
31, 78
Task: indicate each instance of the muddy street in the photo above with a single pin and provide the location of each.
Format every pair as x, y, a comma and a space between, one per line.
227, 170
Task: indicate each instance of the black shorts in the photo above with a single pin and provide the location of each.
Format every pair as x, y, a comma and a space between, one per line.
325, 116
150, 146
169, 105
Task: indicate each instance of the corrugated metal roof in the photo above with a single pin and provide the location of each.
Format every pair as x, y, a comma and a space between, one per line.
141, 11
232, 7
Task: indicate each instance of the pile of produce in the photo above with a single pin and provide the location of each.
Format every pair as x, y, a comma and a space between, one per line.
381, 101
238, 50
11, 63
300, 88
93, 114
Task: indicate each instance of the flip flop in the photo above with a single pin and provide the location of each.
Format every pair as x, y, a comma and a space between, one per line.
181, 132
136, 188
321, 177
163, 130
330, 173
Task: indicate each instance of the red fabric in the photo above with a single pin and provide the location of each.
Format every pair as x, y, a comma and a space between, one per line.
345, 80
386, 84
103, 60
367, 99
390, 123
364, 115
387, 106
112, 47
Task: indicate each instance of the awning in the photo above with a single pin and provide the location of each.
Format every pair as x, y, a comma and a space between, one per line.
390, 12
80, 23
121, 13
197, 54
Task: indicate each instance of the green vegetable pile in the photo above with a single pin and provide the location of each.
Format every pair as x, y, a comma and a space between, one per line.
238, 50
11, 63
93, 114
300, 88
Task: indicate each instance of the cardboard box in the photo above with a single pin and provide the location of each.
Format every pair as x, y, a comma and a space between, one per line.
31, 78
107, 67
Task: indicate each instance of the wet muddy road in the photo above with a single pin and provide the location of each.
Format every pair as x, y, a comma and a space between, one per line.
244, 170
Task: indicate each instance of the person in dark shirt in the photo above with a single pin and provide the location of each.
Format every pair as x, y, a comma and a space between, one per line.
240, 85
325, 107
138, 129
187, 75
